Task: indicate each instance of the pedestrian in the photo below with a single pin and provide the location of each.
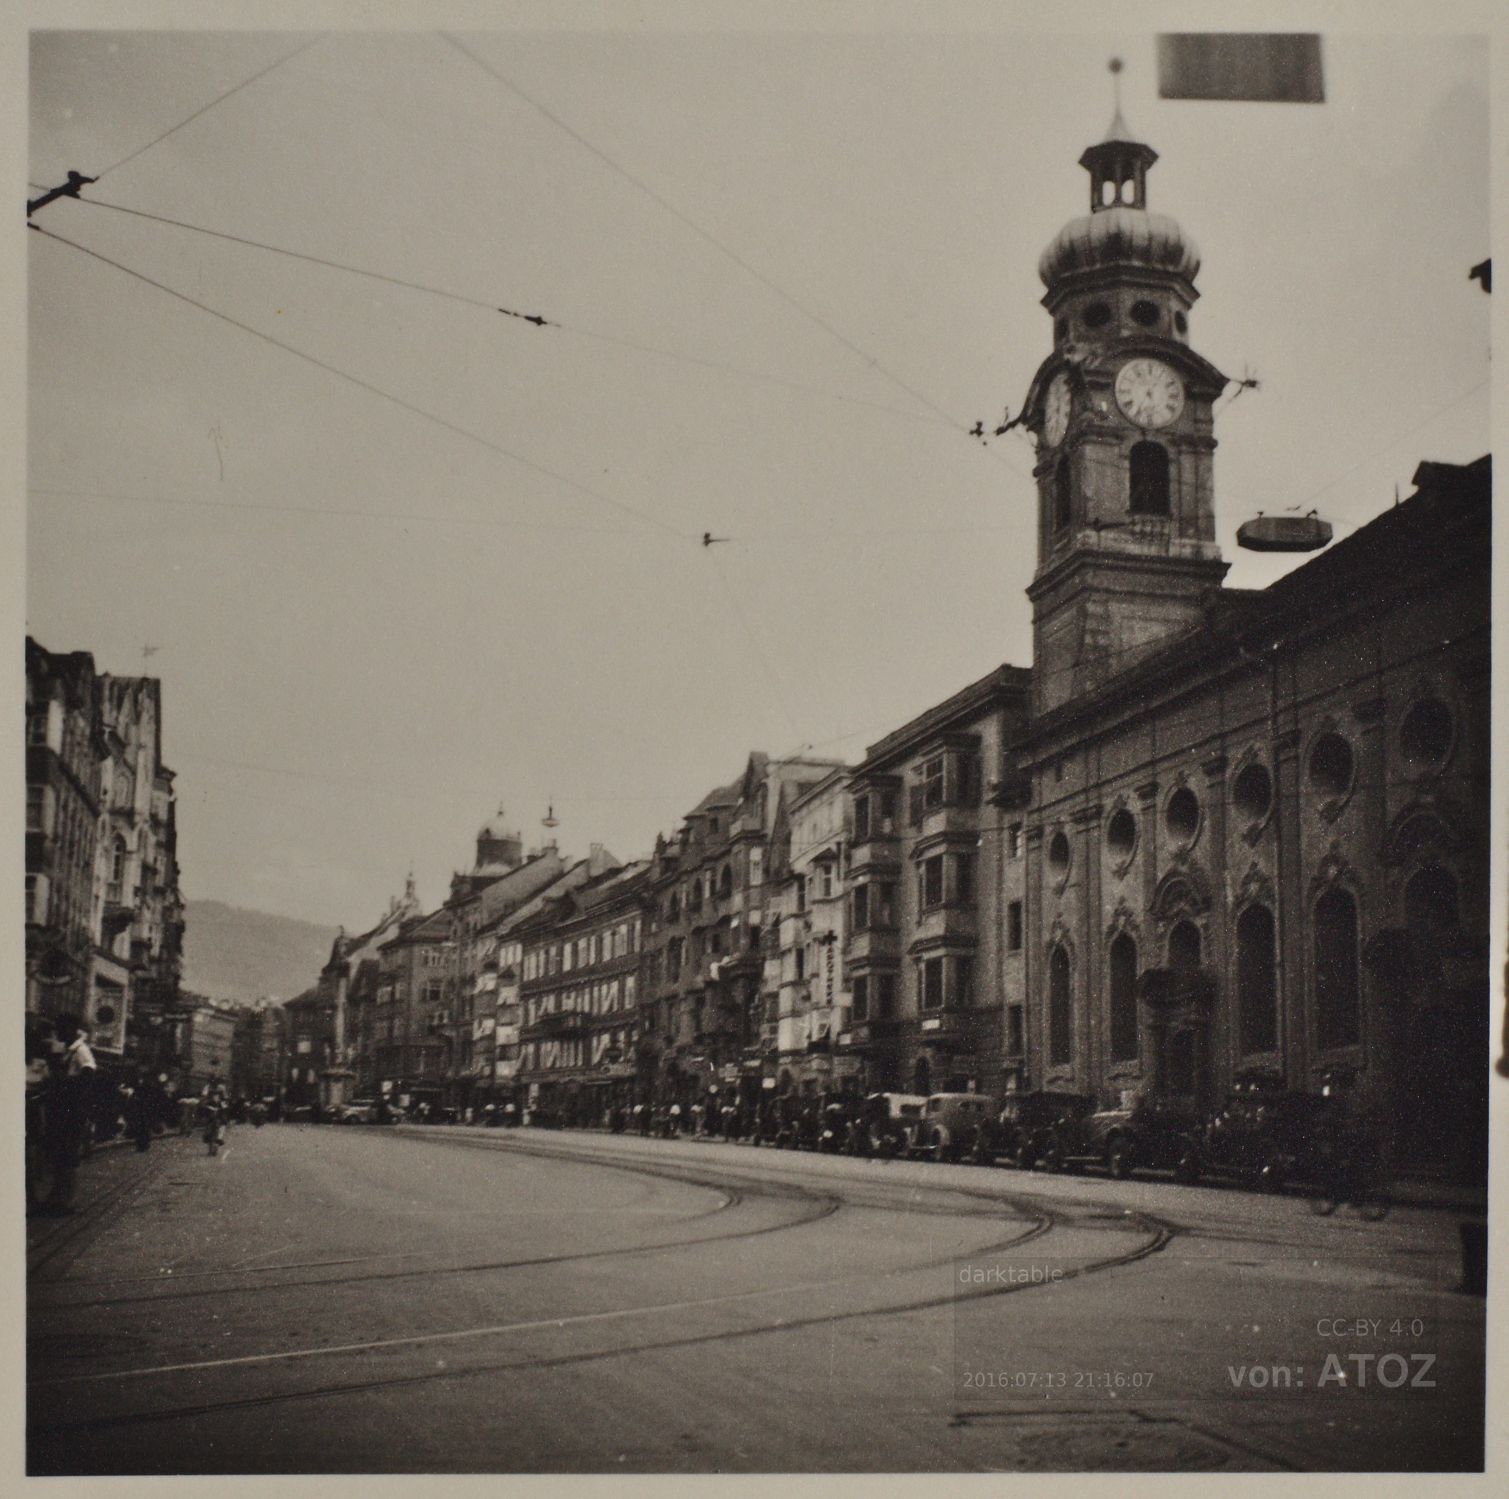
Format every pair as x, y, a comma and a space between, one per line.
139, 1111
70, 1087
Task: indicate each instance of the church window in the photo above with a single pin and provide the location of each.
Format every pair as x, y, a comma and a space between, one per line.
1149, 479
1331, 765
1184, 948
1061, 490
1096, 315
1060, 1043
1182, 816
1257, 988
1425, 735
1121, 834
1431, 907
1145, 314
1252, 792
1337, 1018
1123, 981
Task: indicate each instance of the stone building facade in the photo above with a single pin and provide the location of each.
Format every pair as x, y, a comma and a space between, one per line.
937, 991
579, 991
806, 988
703, 1018
1255, 834
104, 917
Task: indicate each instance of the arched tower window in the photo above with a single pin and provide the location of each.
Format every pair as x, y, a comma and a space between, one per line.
1061, 488
1257, 988
1149, 491
1060, 1043
1122, 961
1337, 1007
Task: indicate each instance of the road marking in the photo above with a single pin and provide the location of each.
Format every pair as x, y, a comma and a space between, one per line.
466, 1332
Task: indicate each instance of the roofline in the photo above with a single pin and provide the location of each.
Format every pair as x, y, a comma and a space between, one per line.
995, 686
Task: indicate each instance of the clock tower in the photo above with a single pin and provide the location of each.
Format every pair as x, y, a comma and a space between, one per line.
1121, 411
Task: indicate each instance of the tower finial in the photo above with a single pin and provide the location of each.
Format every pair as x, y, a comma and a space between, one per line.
1118, 130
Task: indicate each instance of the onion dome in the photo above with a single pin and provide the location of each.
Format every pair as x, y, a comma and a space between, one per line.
495, 829
1118, 237
1119, 231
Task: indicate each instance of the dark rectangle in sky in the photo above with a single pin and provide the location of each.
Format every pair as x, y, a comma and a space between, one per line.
1273, 67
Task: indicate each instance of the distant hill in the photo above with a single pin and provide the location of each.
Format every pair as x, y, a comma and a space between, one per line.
239, 955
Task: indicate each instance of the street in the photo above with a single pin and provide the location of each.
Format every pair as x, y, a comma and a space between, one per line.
451, 1299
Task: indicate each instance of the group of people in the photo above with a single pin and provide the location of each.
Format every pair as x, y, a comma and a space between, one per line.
60, 1079
71, 1106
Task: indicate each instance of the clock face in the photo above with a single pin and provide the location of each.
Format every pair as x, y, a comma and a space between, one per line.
1149, 392
1056, 410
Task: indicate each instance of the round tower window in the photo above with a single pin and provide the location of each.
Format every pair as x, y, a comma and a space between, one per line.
1096, 315
1121, 834
1145, 314
1181, 322
1331, 765
1252, 793
1058, 855
1182, 815
1425, 735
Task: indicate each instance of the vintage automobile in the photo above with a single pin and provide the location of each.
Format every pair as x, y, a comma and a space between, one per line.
892, 1121
358, 1111
1143, 1131
1266, 1135
1026, 1121
954, 1124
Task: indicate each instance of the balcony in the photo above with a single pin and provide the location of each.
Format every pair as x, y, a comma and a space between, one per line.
560, 1025
877, 852
874, 945
947, 925
939, 821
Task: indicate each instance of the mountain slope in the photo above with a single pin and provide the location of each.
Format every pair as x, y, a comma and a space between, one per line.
238, 955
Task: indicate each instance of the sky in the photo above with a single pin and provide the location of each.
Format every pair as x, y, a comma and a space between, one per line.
449, 559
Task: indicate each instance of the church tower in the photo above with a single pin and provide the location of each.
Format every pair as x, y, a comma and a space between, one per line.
1121, 410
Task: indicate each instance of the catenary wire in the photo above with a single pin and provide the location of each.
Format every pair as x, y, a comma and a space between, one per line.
537, 320
377, 390
718, 244
205, 109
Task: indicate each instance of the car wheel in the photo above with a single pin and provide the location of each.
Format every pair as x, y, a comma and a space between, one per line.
1119, 1159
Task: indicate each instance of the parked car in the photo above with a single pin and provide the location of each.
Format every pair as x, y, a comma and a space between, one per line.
1024, 1123
1143, 1131
954, 1125
893, 1120
358, 1111
1266, 1135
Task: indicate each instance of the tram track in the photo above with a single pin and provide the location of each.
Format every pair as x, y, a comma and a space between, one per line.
1155, 1235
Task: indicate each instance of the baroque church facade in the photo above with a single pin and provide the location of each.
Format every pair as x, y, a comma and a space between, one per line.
1255, 821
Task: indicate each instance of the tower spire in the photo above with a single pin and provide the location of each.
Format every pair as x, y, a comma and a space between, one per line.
1118, 130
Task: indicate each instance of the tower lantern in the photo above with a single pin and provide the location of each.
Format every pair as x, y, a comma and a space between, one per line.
1121, 410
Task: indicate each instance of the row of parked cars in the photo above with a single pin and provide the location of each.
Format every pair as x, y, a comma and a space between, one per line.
1262, 1134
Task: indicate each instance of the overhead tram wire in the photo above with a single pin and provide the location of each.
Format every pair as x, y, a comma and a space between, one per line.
205, 109
537, 320
345, 512
377, 390
718, 245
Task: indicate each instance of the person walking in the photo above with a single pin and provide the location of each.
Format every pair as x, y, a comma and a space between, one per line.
68, 1099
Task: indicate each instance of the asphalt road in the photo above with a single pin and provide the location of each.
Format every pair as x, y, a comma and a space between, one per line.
464, 1300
